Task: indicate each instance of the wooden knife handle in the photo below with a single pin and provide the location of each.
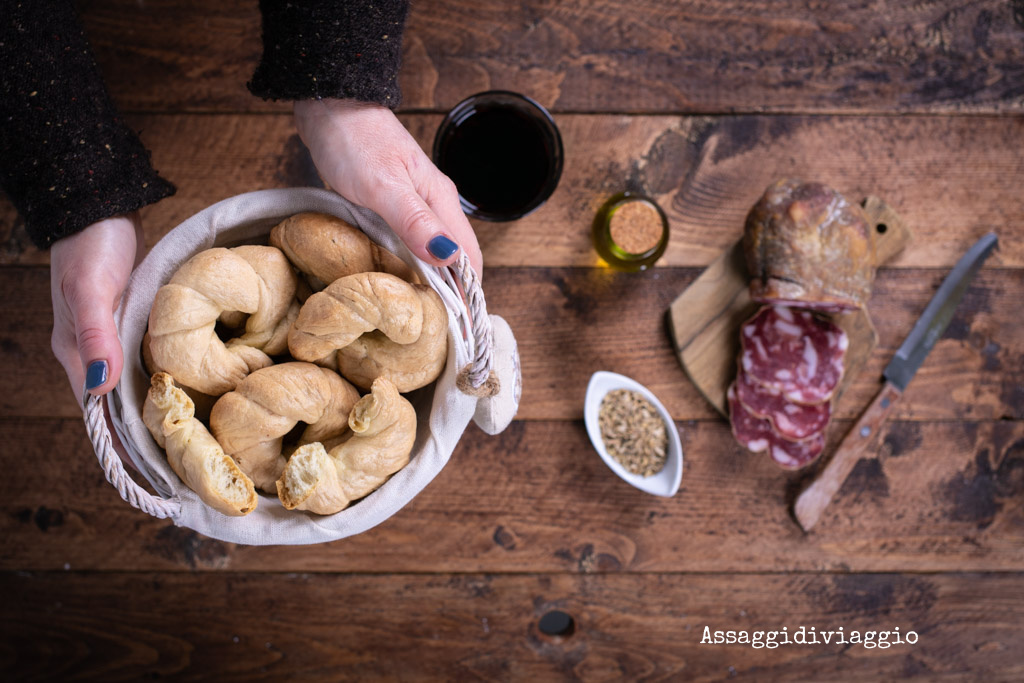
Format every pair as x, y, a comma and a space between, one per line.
813, 500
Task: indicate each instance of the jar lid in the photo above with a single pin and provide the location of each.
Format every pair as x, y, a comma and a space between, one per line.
631, 231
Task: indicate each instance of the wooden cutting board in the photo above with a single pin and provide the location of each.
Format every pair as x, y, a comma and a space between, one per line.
705, 319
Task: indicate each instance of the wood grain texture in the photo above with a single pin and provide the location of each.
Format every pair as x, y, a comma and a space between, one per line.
651, 56
700, 105
182, 55
479, 627
571, 322
946, 496
949, 178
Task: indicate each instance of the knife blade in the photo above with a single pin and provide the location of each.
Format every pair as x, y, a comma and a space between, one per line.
813, 500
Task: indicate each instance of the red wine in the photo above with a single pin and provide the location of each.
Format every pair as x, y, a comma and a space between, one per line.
504, 158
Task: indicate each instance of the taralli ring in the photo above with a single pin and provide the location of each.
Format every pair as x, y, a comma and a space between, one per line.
192, 452
380, 325
383, 427
326, 248
251, 421
408, 366
253, 280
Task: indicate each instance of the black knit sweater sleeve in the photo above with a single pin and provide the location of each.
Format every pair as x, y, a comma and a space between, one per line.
67, 159
346, 49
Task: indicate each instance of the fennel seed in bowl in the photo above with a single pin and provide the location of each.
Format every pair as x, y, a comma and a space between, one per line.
633, 432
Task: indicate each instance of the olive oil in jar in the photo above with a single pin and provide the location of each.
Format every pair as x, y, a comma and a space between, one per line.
630, 231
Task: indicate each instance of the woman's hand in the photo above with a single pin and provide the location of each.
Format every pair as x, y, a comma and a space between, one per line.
366, 155
88, 272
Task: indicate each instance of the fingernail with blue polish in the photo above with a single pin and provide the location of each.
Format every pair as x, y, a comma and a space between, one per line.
96, 375
442, 247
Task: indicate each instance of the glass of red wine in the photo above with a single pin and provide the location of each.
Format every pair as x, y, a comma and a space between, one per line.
504, 153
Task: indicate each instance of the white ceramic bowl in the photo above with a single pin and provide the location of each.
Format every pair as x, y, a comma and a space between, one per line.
664, 483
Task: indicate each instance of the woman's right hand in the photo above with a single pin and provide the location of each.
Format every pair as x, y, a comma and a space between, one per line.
366, 155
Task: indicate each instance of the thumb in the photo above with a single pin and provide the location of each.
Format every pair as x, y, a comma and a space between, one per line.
99, 347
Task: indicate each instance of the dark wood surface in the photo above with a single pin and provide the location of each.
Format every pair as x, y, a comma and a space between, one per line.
700, 105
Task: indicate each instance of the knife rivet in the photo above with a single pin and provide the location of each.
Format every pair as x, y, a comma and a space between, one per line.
865, 430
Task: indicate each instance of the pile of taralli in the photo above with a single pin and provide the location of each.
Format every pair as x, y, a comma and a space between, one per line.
246, 343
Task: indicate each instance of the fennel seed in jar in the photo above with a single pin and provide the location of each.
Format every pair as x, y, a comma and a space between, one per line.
633, 432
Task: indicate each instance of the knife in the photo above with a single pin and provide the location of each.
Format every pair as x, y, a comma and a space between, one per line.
813, 500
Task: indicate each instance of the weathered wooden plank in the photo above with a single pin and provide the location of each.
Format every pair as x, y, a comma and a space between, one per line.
946, 496
34, 382
651, 56
951, 178
571, 322
483, 627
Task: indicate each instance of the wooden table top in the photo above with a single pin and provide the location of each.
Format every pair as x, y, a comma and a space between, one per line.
701, 105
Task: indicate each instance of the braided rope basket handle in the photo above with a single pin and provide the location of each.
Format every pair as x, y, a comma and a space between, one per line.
113, 467
478, 372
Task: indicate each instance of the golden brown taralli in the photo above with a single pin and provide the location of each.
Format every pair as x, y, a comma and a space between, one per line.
192, 452
326, 248
408, 366
337, 316
254, 280
381, 326
251, 421
383, 424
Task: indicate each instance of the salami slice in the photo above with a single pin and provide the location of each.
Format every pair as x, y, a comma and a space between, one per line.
751, 431
793, 421
796, 454
793, 352
757, 436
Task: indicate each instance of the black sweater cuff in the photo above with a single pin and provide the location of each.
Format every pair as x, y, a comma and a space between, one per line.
69, 160
345, 49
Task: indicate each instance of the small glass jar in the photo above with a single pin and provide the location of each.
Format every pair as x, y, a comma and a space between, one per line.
630, 231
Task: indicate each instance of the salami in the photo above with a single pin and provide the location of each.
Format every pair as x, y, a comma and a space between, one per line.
751, 431
757, 436
793, 352
793, 421
796, 454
